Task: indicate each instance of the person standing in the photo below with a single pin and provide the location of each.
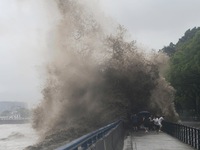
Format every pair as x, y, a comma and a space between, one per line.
151, 123
156, 123
134, 119
146, 123
160, 122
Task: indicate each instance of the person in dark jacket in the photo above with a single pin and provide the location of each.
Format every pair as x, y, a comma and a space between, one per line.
134, 119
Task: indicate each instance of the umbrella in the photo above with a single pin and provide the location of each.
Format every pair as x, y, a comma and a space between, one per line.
144, 114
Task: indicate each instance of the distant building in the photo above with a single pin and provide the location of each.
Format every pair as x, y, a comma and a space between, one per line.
11, 105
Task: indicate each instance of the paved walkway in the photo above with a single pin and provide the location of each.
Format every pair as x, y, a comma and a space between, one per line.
153, 141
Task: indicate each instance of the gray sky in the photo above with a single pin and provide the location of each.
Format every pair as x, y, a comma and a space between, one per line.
24, 28
155, 23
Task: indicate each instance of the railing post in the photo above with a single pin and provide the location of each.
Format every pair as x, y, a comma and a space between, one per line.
192, 137
94, 139
184, 134
181, 132
176, 130
190, 140
198, 131
187, 135
84, 146
196, 140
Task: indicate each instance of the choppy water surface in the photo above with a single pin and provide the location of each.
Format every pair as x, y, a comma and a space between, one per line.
195, 124
16, 136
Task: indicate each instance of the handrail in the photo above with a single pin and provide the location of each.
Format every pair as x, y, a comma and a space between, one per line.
186, 134
87, 140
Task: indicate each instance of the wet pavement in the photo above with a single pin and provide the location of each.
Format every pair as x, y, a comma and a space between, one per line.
153, 141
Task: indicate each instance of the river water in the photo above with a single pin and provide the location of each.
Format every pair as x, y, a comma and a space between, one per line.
19, 136
195, 124
16, 136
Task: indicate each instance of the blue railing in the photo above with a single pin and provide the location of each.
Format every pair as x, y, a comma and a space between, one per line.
186, 134
87, 140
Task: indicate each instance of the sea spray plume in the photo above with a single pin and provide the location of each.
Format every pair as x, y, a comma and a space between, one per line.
94, 77
162, 100
161, 60
70, 76
129, 76
162, 97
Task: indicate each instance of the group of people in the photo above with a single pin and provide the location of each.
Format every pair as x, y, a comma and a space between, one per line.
147, 123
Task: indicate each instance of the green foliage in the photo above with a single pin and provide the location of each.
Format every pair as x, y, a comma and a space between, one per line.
169, 50
184, 72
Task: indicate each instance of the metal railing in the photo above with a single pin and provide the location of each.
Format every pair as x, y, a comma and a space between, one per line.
186, 134
89, 139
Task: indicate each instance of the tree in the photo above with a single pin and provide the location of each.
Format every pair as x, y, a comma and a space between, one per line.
184, 72
169, 50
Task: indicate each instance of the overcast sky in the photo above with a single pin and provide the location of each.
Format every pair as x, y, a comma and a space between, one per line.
155, 23
23, 31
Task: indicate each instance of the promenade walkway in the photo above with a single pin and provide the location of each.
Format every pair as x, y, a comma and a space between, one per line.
153, 141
